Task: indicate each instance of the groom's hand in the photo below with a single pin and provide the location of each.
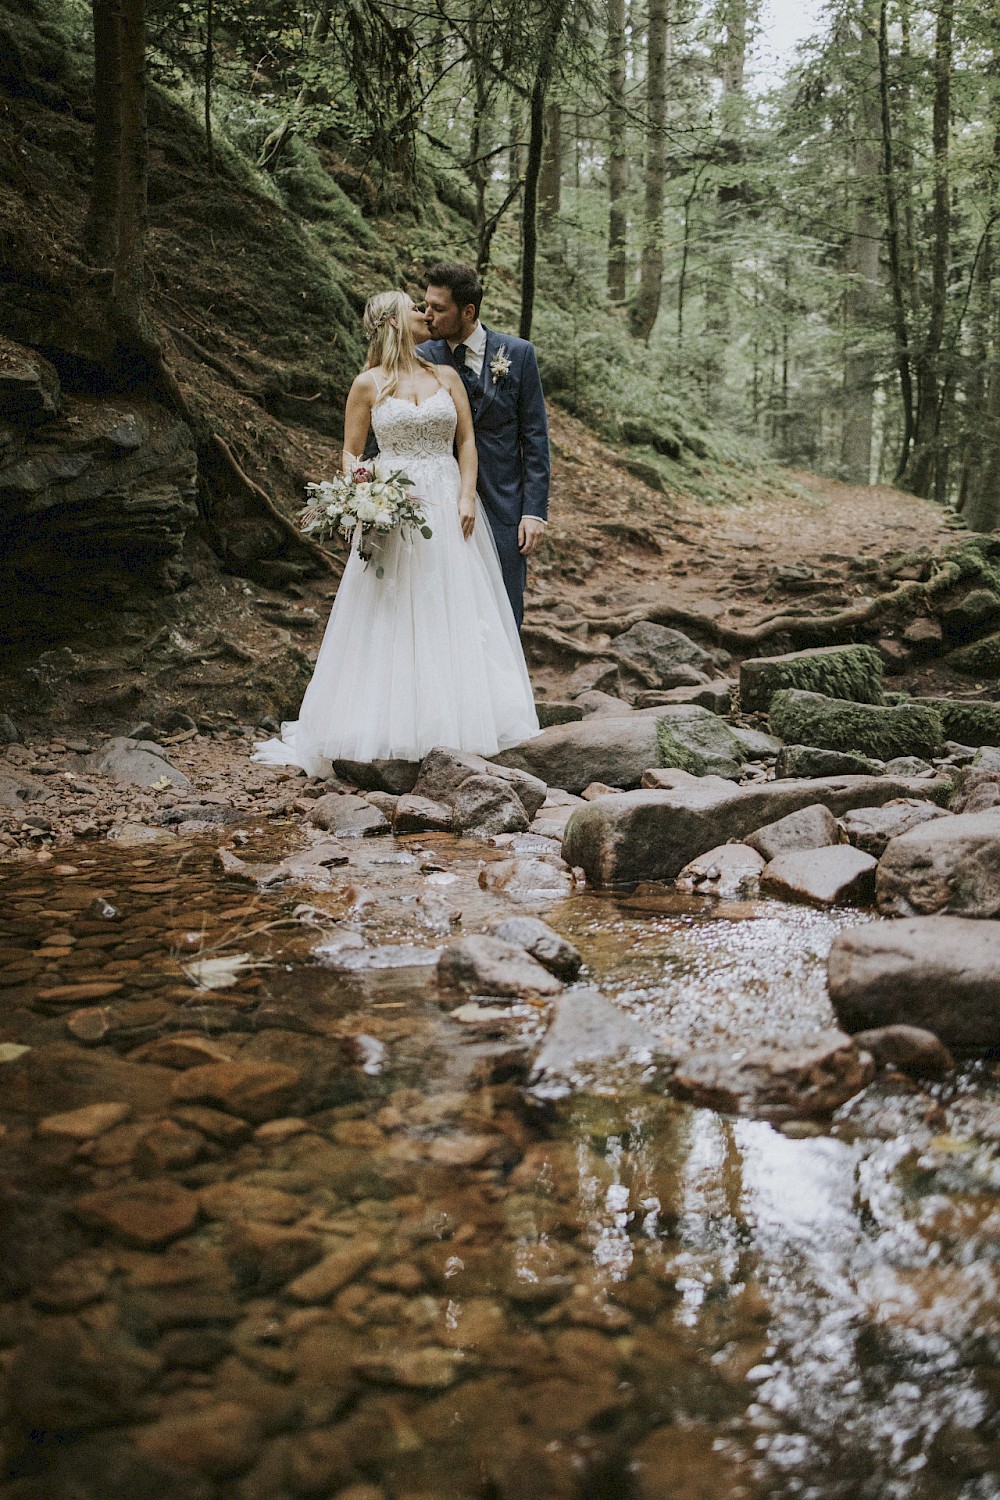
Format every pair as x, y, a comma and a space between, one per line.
529, 533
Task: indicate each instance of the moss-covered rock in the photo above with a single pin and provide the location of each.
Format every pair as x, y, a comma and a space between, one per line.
968, 723
849, 672
700, 743
862, 728
980, 658
809, 760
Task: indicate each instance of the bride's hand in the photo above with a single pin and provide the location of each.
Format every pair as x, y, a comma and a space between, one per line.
467, 516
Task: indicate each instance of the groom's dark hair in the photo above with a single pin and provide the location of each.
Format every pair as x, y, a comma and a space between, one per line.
462, 281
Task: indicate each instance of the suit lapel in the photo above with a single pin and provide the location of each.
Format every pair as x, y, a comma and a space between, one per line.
489, 384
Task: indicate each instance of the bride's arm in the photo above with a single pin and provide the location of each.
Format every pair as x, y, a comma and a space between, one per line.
465, 450
357, 420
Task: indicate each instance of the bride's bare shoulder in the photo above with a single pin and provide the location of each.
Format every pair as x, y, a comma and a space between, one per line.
368, 384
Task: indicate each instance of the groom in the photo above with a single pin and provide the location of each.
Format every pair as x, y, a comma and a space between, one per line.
501, 376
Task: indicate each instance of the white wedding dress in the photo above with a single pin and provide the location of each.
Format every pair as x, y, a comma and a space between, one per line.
429, 653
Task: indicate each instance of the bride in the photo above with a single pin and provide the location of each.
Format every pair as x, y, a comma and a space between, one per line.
427, 654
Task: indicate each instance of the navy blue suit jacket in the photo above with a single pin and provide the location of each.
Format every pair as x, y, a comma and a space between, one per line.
512, 433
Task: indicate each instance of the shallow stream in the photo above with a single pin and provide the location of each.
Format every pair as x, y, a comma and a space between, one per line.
615, 1295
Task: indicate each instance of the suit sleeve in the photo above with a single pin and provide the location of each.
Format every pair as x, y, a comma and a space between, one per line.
533, 434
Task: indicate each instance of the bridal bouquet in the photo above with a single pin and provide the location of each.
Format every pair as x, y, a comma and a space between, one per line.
360, 504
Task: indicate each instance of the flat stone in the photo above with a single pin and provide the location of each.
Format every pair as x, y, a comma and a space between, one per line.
135, 762
756, 744
218, 1441
545, 878
811, 827
416, 814
938, 973
652, 835
254, 1091
810, 760
727, 870
432, 1368
143, 1214
556, 953
336, 1270
84, 1124
135, 835
347, 816
588, 1031
814, 1078
185, 1049
72, 994
599, 748
716, 695
238, 1201
838, 876
395, 776
871, 828
951, 865
880, 730
483, 965
909, 1048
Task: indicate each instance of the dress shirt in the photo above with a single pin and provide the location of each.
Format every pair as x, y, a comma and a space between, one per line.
475, 349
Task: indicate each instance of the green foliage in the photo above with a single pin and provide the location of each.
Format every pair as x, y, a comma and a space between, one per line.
803, 718
850, 672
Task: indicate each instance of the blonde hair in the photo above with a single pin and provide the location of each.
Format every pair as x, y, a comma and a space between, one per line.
386, 325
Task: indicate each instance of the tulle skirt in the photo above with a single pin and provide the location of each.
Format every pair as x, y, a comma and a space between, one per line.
426, 655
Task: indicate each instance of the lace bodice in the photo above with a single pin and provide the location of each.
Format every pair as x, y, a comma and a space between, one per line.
408, 432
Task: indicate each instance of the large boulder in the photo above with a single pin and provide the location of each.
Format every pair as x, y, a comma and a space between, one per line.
443, 772
803, 718
587, 1033
652, 835
850, 672
942, 973
968, 723
837, 876
487, 805
787, 1083
951, 865
655, 652
395, 776
615, 750
812, 827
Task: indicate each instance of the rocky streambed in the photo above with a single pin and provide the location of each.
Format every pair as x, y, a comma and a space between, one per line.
344, 1161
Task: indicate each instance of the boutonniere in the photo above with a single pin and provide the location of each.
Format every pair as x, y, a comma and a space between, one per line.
500, 364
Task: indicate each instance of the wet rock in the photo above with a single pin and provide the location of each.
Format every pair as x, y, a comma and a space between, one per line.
144, 1214
683, 1463
417, 814
812, 827
218, 1440
394, 776
652, 835
432, 1368
266, 1256
831, 723
556, 953
843, 672
185, 1049
599, 748
483, 965
909, 1048
347, 816
66, 1380
351, 960
241, 1201
166, 1148
544, 878
214, 1124
728, 870
484, 806
840, 876
136, 762
323, 1280
655, 652
871, 828
254, 1091
951, 865
810, 760
84, 1124
312, 866
587, 1032
134, 835
938, 973
813, 1078
444, 772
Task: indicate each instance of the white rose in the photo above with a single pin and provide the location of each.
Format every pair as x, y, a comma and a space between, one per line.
365, 509
384, 520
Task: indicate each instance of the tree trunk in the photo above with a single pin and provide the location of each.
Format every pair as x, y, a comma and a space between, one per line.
550, 177
895, 245
646, 304
552, 22
729, 197
927, 453
862, 265
617, 154
100, 231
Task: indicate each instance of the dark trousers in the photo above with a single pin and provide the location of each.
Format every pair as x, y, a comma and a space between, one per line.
513, 565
